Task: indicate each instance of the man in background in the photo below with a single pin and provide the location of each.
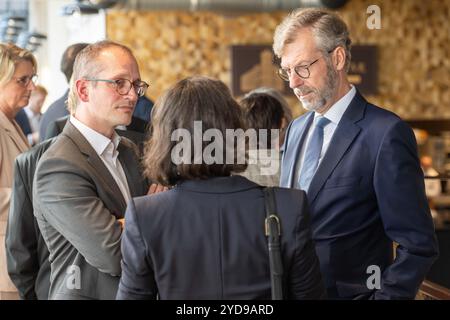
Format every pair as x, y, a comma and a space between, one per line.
33, 111
59, 108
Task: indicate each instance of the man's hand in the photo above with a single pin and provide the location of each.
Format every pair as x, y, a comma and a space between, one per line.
122, 222
156, 188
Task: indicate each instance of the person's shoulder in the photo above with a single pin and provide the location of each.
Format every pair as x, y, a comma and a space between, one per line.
155, 207
300, 119
55, 105
157, 199
382, 123
292, 209
34, 154
57, 108
382, 115
290, 194
61, 149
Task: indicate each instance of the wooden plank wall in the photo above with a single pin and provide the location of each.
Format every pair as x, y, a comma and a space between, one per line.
414, 48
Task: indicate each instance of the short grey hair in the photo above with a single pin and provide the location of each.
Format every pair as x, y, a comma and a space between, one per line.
329, 30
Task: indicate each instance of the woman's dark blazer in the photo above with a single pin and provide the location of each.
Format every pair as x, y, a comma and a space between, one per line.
204, 239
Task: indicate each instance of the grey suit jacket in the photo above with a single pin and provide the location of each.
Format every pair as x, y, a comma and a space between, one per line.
77, 204
26, 252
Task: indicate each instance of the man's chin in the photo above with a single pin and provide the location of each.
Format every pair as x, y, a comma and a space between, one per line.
308, 106
315, 106
125, 120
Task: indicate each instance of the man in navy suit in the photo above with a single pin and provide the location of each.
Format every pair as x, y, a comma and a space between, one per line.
359, 166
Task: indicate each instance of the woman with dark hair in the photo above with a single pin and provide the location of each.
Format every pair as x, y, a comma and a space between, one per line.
204, 238
264, 110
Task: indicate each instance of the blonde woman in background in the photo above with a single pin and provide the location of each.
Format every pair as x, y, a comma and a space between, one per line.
17, 77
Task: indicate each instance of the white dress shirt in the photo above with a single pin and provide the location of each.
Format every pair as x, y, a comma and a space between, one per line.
334, 114
107, 151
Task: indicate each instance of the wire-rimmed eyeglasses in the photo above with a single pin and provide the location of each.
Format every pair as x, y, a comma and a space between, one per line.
123, 86
25, 80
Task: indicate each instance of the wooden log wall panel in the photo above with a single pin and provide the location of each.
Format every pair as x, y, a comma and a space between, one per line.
413, 42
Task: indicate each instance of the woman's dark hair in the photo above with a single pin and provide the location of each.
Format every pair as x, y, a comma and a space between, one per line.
262, 111
192, 99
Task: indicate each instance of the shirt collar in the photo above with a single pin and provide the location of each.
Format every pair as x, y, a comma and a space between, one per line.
335, 113
98, 141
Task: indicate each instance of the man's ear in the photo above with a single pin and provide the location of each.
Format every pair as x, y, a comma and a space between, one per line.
339, 57
82, 90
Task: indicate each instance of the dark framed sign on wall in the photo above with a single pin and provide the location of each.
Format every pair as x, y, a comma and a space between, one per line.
254, 66
364, 68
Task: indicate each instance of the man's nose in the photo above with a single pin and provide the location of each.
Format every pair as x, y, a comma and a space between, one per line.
295, 81
132, 94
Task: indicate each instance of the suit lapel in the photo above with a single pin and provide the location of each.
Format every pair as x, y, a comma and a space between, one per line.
130, 166
345, 134
298, 134
94, 160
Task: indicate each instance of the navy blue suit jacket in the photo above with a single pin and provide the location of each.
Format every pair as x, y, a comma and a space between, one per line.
56, 110
368, 191
143, 109
23, 122
204, 239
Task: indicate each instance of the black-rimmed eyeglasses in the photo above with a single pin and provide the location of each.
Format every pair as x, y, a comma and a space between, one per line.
301, 70
123, 86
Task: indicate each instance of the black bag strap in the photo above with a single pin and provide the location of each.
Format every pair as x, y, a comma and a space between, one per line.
273, 232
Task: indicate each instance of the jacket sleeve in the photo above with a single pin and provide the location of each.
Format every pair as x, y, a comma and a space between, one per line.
52, 130
21, 239
305, 281
403, 206
67, 198
137, 281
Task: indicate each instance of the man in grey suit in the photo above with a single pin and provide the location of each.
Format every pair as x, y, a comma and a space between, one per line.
85, 179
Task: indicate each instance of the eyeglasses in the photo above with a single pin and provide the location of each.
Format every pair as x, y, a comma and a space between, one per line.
123, 86
25, 80
301, 70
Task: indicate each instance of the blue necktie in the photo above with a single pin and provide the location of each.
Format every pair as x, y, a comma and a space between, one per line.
312, 154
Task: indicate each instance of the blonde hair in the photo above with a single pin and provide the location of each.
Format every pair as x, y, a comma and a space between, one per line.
40, 89
329, 30
10, 55
87, 66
